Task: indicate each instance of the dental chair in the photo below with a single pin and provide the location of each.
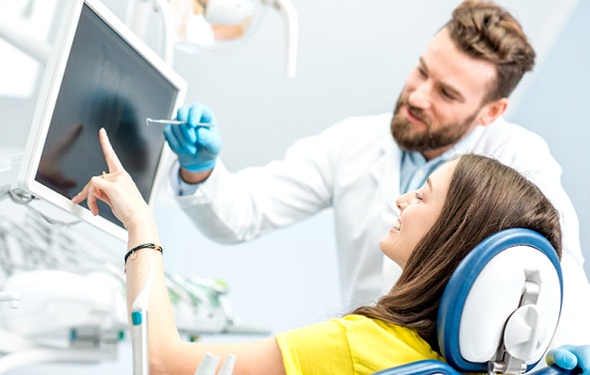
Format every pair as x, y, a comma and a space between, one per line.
499, 310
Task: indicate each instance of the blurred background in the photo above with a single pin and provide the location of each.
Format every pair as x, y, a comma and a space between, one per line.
352, 59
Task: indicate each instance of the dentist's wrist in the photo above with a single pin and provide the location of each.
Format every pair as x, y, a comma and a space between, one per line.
192, 177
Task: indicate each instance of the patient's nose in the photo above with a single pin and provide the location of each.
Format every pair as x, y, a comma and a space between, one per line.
402, 201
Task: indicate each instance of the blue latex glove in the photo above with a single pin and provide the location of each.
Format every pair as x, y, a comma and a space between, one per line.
197, 147
570, 356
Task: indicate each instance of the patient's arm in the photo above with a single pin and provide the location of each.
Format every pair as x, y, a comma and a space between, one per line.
168, 353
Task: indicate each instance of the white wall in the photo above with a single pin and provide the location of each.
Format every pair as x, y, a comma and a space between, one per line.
353, 59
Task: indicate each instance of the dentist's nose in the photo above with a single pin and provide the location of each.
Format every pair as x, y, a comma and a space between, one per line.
420, 97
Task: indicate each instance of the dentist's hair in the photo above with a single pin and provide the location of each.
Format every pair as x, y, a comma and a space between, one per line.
484, 30
484, 197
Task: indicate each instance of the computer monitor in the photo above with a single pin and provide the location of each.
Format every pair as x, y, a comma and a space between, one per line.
100, 74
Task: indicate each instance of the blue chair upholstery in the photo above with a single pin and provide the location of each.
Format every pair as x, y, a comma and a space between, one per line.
499, 310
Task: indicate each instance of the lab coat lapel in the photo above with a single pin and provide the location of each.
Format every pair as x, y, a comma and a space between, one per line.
386, 172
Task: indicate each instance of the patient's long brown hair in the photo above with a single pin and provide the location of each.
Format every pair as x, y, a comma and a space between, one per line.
484, 197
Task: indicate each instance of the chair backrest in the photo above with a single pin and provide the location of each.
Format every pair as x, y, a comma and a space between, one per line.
501, 306
499, 310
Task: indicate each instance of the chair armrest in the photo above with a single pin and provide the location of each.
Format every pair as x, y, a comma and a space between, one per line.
425, 367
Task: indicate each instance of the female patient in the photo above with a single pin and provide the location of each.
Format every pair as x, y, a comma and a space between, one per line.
462, 203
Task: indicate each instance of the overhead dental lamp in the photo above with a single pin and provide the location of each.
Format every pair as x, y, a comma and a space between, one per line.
203, 26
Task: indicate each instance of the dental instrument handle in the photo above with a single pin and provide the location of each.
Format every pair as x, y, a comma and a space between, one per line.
174, 122
139, 328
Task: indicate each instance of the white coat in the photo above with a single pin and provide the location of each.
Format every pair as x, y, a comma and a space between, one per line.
354, 168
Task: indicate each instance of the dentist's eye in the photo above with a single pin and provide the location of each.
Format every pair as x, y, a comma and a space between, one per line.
447, 94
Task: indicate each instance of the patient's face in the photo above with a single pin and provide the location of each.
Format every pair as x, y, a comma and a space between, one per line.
419, 211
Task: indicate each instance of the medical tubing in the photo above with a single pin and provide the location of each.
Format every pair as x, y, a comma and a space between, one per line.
139, 327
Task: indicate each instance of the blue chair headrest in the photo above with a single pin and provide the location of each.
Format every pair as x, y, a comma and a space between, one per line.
483, 307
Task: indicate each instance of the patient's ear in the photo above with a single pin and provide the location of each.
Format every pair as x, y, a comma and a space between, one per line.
491, 111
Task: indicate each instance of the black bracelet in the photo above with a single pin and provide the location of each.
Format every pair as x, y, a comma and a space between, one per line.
131, 253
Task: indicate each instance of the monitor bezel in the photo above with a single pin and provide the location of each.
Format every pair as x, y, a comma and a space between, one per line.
46, 102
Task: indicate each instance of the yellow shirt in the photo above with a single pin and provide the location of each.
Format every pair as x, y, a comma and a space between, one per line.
353, 344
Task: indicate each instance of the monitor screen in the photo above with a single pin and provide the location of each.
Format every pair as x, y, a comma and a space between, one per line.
102, 76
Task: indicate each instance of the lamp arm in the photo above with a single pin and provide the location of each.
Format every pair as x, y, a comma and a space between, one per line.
168, 28
138, 14
289, 13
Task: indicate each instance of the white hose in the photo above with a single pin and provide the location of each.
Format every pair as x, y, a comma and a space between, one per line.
33, 356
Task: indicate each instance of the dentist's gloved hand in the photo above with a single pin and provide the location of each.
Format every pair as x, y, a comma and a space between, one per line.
570, 356
197, 146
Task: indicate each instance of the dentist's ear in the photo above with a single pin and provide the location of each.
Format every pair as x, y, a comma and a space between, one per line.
491, 111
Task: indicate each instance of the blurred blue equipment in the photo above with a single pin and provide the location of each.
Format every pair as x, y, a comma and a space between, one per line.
571, 357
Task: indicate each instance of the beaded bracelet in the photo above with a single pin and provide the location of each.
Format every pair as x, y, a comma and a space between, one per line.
131, 253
